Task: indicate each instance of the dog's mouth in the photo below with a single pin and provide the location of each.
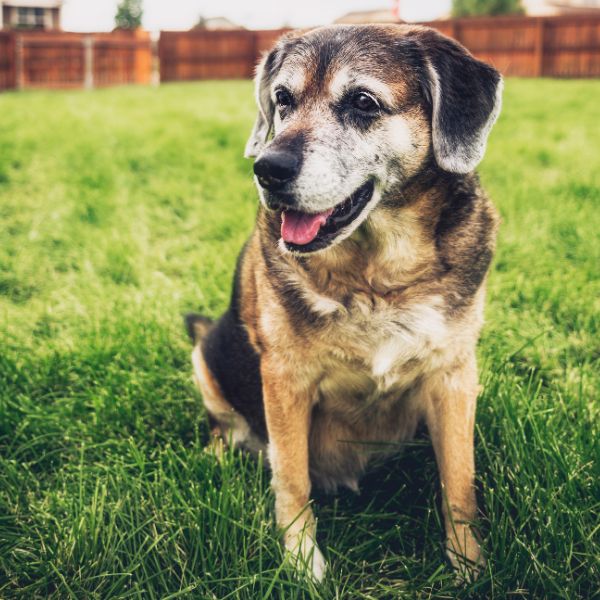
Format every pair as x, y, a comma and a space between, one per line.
306, 232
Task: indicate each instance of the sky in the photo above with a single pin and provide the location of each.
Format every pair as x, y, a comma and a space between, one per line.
98, 15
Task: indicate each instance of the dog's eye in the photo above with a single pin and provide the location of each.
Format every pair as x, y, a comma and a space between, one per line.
365, 102
283, 98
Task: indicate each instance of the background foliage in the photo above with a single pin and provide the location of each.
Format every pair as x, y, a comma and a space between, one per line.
129, 14
472, 8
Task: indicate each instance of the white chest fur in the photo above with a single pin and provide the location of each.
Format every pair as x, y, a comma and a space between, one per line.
413, 335
389, 346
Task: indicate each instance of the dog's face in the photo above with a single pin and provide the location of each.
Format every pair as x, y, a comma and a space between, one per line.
354, 113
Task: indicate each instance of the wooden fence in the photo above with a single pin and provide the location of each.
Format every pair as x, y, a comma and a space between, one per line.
52, 59
565, 46
201, 54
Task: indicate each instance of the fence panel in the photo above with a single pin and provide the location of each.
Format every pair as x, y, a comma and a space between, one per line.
205, 55
564, 46
123, 57
49, 60
509, 45
572, 48
200, 54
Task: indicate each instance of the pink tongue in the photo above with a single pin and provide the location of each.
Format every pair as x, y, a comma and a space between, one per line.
300, 228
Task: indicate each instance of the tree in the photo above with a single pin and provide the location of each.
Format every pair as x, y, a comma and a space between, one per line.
471, 8
129, 14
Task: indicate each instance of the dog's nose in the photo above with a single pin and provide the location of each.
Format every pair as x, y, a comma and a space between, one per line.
274, 169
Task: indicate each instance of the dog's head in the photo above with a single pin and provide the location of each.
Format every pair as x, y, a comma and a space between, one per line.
349, 113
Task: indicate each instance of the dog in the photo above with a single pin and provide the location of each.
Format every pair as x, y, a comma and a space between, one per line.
358, 299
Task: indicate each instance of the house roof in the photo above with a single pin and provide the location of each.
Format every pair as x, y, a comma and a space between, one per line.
384, 15
220, 23
32, 3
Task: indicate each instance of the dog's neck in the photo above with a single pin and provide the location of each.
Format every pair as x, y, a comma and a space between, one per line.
394, 249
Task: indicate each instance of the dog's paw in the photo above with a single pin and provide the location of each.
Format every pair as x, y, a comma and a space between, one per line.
306, 558
465, 553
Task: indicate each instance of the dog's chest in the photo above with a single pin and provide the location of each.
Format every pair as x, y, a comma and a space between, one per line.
372, 361
373, 351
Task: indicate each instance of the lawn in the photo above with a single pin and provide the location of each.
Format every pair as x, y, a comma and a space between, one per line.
120, 210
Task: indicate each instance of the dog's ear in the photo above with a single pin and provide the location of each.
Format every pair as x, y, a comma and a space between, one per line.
264, 119
465, 96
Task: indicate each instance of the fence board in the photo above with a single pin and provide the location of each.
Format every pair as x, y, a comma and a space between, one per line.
7, 61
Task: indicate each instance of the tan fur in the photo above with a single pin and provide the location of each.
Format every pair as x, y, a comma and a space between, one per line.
360, 342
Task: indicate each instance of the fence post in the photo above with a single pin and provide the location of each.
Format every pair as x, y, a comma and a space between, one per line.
19, 62
155, 61
88, 61
538, 52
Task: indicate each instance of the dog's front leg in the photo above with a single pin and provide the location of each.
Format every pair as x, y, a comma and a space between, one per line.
288, 409
450, 416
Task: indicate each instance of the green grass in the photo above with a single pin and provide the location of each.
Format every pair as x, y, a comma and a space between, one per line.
121, 209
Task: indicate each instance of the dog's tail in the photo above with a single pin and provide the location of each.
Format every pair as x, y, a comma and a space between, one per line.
196, 326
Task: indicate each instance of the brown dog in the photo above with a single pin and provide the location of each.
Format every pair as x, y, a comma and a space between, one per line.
358, 299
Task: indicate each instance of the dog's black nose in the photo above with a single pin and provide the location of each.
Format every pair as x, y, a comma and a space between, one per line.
275, 168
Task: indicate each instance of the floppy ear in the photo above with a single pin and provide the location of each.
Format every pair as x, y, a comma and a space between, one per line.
266, 108
466, 97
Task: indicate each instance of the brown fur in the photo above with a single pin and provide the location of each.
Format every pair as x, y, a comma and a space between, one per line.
361, 342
